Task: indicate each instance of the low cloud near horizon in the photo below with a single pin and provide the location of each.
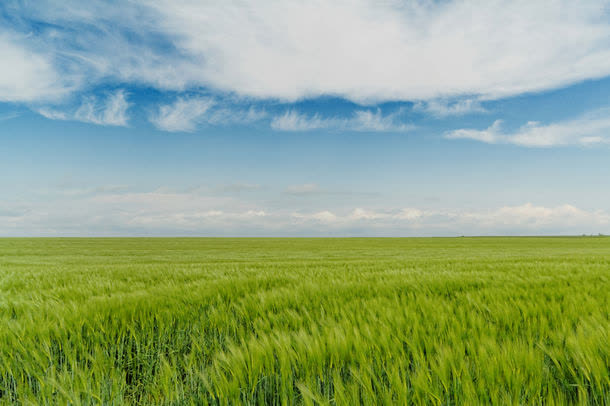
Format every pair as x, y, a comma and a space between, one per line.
117, 211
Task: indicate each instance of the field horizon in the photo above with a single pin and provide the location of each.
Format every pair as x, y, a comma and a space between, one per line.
340, 237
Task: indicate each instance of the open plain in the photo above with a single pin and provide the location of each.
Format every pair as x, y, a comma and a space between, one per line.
305, 321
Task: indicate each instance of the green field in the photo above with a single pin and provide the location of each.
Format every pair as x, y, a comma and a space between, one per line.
305, 321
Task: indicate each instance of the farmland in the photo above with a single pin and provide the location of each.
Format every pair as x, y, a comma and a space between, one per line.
305, 321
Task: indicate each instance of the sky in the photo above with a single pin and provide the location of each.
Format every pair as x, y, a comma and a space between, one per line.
304, 118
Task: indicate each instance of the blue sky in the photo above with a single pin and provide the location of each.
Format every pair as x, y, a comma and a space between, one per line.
292, 118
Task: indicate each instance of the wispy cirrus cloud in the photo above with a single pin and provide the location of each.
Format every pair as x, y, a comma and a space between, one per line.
109, 110
185, 114
446, 108
589, 129
361, 120
9, 115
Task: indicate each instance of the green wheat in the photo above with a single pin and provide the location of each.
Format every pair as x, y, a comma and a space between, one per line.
305, 321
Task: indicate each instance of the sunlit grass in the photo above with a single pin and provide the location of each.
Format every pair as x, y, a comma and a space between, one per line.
313, 321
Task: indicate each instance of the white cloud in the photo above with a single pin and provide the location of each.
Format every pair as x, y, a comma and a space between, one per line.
366, 120
530, 217
359, 214
491, 135
592, 128
119, 210
27, 75
409, 214
526, 219
363, 214
53, 114
318, 217
111, 110
294, 121
367, 50
185, 114
445, 108
363, 50
361, 120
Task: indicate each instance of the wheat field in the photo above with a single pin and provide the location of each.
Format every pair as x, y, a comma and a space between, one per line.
439, 321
